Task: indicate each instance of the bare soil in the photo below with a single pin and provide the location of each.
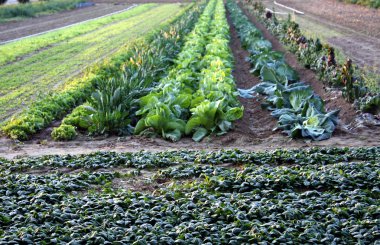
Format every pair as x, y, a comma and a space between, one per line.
359, 18
252, 133
357, 27
31, 26
254, 115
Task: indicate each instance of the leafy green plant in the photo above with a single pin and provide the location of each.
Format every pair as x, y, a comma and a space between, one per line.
357, 84
15, 11
65, 132
281, 196
210, 117
79, 117
111, 103
370, 104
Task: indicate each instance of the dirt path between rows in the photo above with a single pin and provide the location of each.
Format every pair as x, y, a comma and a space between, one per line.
356, 27
252, 133
13, 30
256, 122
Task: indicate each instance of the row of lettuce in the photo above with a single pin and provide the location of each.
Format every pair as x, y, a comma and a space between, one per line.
299, 110
198, 97
312, 196
359, 86
134, 63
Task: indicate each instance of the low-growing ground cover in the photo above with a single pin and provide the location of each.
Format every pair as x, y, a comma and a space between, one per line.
27, 46
368, 3
51, 68
317, 195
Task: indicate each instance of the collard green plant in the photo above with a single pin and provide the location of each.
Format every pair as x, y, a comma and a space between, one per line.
299, 110
357, 84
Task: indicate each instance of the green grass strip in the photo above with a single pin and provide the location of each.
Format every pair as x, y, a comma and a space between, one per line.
12, 51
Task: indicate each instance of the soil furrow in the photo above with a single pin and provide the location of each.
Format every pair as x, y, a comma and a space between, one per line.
256, 122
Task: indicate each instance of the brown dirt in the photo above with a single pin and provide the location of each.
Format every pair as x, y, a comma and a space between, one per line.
256, 122
359, 18
363, 51
18, 29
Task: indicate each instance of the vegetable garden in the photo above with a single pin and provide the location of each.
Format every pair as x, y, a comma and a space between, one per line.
315, 196
166, 79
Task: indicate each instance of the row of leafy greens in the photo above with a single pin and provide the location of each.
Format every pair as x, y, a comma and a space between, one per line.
199, 96
301, 196
111, 109
299, 110
144, 160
